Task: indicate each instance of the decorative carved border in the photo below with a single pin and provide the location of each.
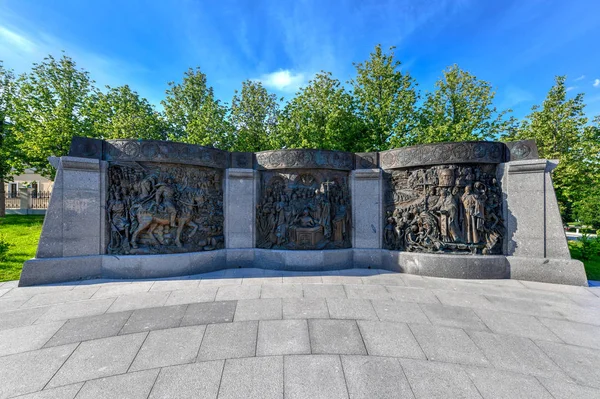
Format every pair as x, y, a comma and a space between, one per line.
304, 159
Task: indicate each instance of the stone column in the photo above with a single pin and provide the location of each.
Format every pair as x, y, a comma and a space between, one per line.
533, 224
23, 200
74, 222
366, 188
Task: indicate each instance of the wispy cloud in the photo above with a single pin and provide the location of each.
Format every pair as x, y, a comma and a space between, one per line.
579, 78
571, 88
514, 96
283, 80
596, 83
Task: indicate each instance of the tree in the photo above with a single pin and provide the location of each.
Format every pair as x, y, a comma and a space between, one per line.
587, 208
193, 115
121, 113
48, 110
558, 127
460, 109
385, 99
254, 115
10, 160
322, 115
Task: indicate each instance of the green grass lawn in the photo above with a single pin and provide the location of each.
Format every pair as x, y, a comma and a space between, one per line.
592, 266
23, 232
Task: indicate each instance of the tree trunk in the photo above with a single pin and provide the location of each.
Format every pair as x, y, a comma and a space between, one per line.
2, 199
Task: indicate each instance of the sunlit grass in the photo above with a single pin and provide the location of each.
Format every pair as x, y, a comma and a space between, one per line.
23, 232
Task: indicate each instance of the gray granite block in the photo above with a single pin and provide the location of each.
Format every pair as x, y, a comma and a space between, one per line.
375, 377
90, 307
430, 380
412, 294
282, 337
305, 308
140, 300
189, 381
209, 313
238, 291
452, 316
449, 345
64, 392
200, 294
45, 270
565, 390
538, 268
516, 354
574, 333
30, 371
281, 291
258, 309
169, 347
124, 386
87, 328
142, 320
515, 324
314, 376
366, 291
506, 385
20, 317
399, 311
228, 341
389, 339
258, 378
324, 291
23, 339
581, 364
335, 337
99, 358
351, 309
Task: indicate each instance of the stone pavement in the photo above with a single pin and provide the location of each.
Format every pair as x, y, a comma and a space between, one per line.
262, 334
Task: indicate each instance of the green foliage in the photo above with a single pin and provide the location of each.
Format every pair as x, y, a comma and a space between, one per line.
48, 110
4, 247
322, 115
254, 114
193, 115
121, 113
460, 109
10, 157
592, 265
588, 247
385, 101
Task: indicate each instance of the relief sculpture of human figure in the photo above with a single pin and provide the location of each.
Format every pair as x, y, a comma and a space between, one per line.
474, 215
164, 196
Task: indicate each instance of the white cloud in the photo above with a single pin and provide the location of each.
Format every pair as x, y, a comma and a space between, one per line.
596, 83
579, 78
571, 88
16, 41
283, 80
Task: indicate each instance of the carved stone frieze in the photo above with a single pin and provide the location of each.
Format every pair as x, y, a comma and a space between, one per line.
520, 150
444, 208
304, 209
304, 159
157, 208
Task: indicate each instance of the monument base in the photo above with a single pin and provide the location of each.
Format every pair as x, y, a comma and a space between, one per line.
58, 270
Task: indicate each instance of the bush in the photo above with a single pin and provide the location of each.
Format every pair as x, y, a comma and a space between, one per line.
589, 246
4, 247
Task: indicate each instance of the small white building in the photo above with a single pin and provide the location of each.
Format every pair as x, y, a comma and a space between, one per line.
28, 179
28, 193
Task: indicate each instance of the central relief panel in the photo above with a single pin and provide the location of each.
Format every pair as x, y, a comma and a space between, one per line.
303, 209
160, 208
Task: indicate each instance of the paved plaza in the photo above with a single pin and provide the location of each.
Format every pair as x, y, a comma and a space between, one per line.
262, 334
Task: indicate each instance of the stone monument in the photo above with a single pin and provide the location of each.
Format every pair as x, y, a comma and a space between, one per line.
145, 209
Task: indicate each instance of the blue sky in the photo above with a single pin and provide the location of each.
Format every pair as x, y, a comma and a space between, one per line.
517, 45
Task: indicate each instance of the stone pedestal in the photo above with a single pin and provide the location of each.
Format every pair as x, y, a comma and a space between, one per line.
241, 190
366, 186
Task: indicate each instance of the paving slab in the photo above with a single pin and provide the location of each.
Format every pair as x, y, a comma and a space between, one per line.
175, 285
64, 392
495, 384
384, 279
324, 291
235, 292
565, 390
7, 305
140, 300
366, 291
169, 347
375, 377
521, 325
389, 339
282, 337
228, 341
451, 345
189, 381
574, 333
125, 386
305, 308
262, 280
464, 299
72, 310
88, 328
314, 376
30, 371
99, 358
201, 294
258, 309
123, 288
23, 339
281, 291
252, 378
142, 320
20, 317
351, 309
516, 354
405, 312
335, 337
51, 298
430, 380
412, 294
453, 316
209, 313
581, 364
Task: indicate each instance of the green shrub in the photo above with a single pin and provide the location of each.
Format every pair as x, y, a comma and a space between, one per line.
4, 247
588, 246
